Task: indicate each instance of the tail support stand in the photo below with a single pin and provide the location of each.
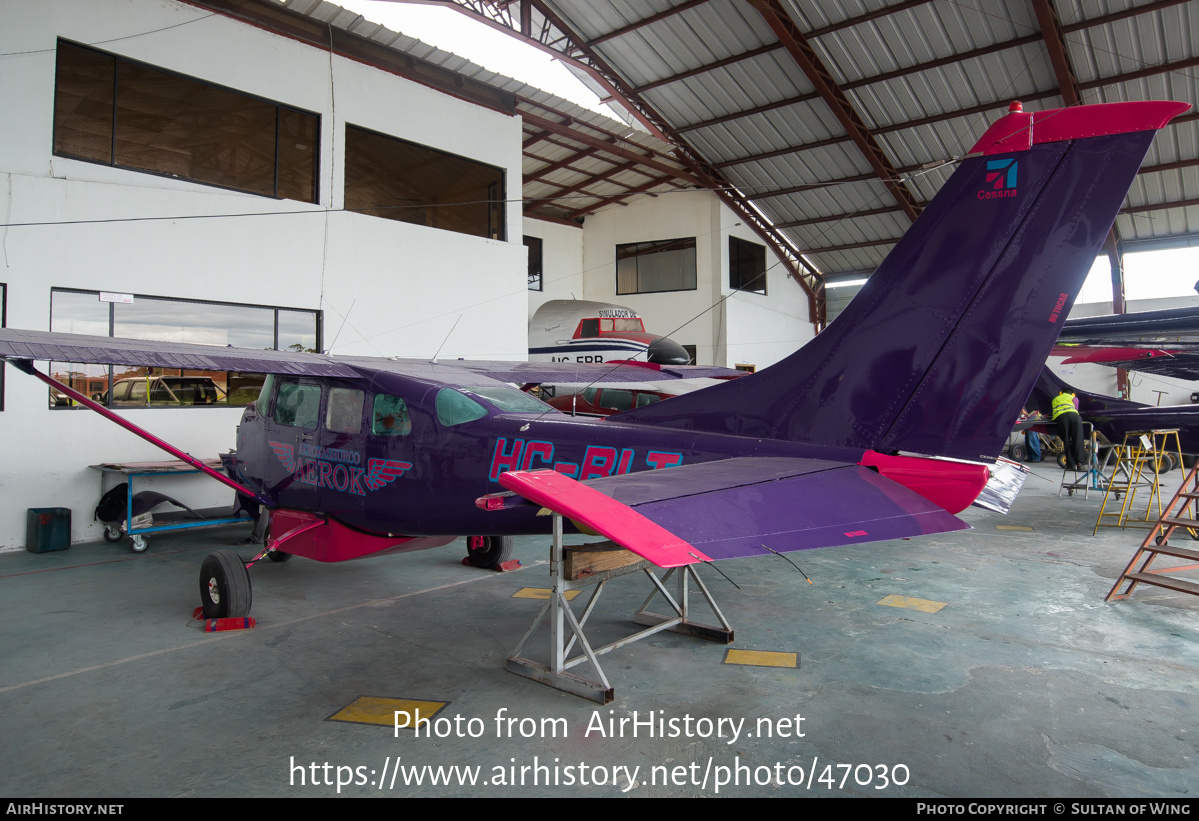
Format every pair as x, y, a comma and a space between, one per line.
566, 629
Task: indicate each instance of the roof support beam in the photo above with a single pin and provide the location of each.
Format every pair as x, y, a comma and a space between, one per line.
607, 147
653, 18
807, 59
616, 198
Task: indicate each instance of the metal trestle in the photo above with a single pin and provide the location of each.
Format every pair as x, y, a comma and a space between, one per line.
565, 629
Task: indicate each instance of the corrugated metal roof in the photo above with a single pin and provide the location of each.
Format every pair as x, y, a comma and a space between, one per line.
921, 78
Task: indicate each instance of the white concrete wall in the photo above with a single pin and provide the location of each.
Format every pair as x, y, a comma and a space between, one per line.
399, 288
745, 328
561, 262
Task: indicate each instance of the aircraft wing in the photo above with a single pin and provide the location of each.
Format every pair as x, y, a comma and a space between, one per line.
1160, 342
104, 350
733, 508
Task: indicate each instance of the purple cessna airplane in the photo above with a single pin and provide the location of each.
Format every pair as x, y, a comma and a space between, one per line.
935, 357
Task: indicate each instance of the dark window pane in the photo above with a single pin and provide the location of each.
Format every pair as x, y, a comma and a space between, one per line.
534, 244
83, 104
589, 328
181, 127
176, 126
298, 136
747, 266
399, 180
650, 267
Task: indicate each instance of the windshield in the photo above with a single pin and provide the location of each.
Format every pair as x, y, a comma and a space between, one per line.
510, 400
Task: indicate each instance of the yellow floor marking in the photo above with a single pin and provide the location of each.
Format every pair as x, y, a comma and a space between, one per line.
372, 710
541, 593
1012, 527
915, 604
761, 658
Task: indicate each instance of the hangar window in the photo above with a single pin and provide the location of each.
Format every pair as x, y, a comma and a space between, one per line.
747, 266
534, 245
172, 320
392, 178
652, 267
117, 112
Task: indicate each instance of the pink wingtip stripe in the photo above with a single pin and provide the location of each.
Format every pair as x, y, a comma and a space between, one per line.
603, 514
1019, 131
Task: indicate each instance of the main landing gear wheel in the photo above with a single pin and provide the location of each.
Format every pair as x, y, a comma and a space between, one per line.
225, 588
488, 552
112, 534
138, 544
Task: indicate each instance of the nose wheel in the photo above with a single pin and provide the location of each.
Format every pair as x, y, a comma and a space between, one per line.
225, 590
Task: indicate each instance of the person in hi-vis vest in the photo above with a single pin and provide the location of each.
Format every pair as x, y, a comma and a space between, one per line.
1064, 411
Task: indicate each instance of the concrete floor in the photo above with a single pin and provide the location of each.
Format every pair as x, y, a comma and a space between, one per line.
1024, 684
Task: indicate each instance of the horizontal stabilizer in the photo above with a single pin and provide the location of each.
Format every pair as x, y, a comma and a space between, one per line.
735, 508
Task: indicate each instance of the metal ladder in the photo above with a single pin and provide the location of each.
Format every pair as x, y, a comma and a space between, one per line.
1139, 464
1157, 544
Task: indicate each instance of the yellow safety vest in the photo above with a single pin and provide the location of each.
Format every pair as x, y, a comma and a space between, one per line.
1062, 403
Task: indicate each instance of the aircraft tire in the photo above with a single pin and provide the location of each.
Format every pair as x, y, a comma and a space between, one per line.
494, 551
225, 590
1018, 453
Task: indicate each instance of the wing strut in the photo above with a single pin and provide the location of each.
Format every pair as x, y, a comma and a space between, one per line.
26, 366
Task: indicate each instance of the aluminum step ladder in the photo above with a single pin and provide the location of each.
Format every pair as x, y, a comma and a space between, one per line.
1179, 517
1141, 460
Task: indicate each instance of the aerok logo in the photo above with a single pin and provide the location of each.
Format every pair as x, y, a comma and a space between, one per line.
1001, 180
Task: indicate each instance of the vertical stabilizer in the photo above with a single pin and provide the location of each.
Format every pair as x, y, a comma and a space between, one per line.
938, 351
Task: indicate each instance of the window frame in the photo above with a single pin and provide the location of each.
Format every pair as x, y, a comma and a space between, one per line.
112, 161
735, 267
537, 277
318, 316
661, 242
497, 199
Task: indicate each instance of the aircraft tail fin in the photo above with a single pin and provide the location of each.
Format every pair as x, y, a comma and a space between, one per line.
941, 347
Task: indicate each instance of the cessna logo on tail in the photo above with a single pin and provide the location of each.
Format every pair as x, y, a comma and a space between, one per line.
332, 473
1001, 180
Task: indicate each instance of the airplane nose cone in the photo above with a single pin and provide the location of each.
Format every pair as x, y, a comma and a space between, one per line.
665, 351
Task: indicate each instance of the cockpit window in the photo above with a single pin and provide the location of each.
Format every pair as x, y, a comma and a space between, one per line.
622, 324
454, 408
298, 405
344, 414
390, 416
589, 328
510, 400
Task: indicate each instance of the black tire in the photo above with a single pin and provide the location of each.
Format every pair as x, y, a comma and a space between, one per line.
1188, 460
225, 590
492, 552
278, 556
1061, 461
1018, 453
112, 534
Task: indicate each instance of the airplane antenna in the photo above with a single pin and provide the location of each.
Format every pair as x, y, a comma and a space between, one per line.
793, 564
712, 565
344, 319
447, 338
